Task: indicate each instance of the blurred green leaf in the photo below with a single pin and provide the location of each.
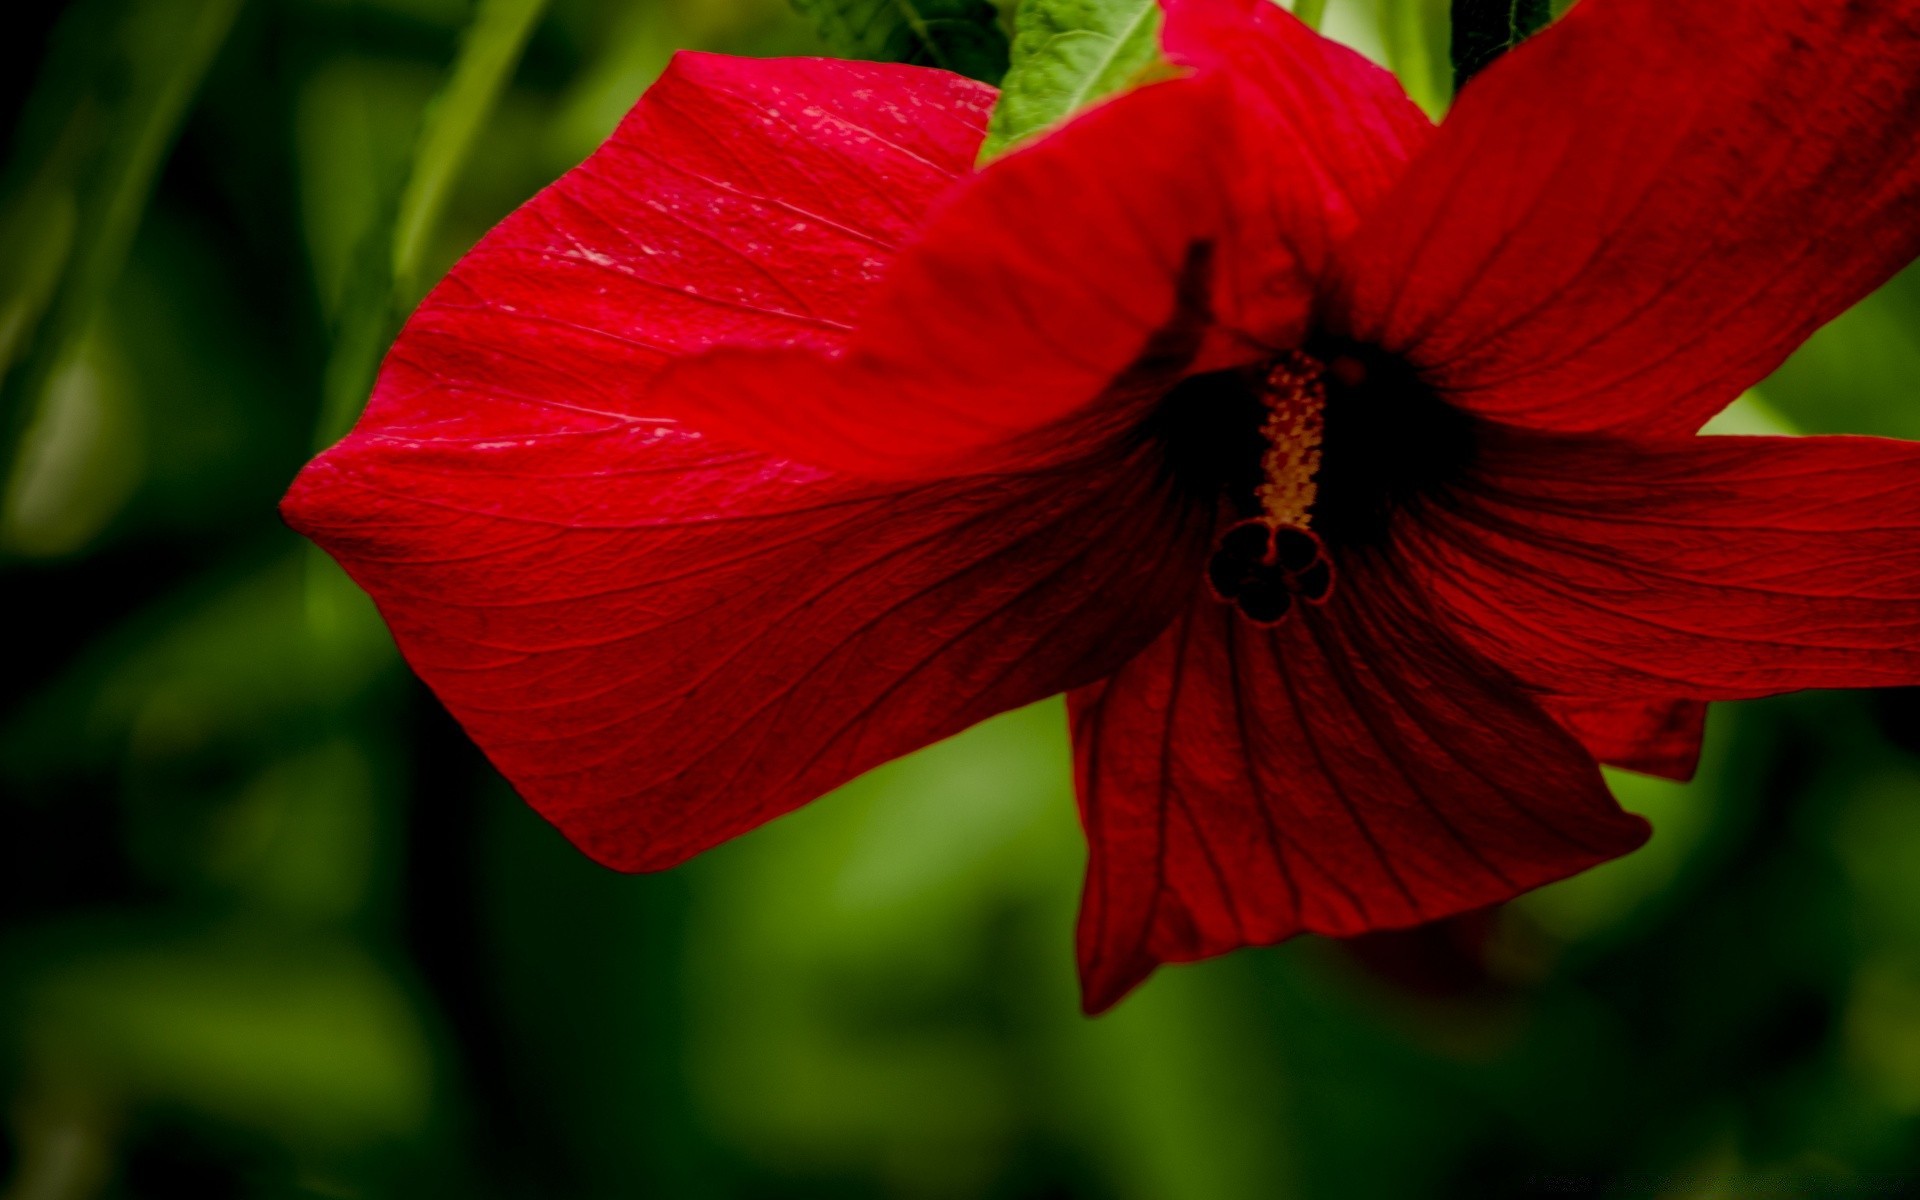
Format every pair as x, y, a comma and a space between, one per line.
1187, 1093
160, 51
1856, 373
1415, 36
1877, 840
295, 843
1601, 898
356, 122
308, 1040
851, 949
1752, 416
1882, 1031
1066, 55
1310, 12
80, 459
958, 35
491, 48
239, 660
898, 956
629, 56
36, 237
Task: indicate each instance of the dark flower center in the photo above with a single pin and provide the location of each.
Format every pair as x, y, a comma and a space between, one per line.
1310, 455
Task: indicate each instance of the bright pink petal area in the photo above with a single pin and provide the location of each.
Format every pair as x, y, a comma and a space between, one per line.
1644, 209
662, 639
1711, 567
663, 642
1351, 770
742, 200
1656, 737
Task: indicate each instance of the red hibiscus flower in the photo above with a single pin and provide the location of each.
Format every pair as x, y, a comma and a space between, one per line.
1341, 469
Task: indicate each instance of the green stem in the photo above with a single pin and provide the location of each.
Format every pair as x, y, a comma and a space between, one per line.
1310, 12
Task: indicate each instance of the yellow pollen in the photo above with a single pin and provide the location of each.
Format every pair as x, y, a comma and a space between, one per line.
1296, 405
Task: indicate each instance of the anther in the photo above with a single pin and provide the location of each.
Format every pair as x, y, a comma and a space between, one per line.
1296, 402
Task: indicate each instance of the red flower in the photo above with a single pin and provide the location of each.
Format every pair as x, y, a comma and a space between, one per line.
1340, 469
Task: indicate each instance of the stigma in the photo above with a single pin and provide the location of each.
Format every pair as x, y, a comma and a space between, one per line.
1264, 563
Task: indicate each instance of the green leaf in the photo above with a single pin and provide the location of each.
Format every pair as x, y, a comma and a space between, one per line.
1066, 55
1415, 35
1483, 30
958, 35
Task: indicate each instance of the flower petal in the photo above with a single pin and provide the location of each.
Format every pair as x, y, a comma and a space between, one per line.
1353, 769
1310, 109
741, 200
1644, 209
660, 638
662, 641
1711, 567
1653, 737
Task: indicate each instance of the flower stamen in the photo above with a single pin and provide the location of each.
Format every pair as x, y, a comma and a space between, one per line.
1262, 564
1296, 402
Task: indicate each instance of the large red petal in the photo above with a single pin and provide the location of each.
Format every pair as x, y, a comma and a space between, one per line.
1702, 567
663, 641
1354, 769
741, 201
1644, 209
660, 638
1309, 111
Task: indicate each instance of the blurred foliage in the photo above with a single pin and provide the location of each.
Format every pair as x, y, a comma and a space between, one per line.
1416, 42
271, 927
967, 36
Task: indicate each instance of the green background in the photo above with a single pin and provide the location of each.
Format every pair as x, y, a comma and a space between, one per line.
272, 928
